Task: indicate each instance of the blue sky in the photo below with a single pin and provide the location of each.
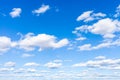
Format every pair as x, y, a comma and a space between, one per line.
59, 40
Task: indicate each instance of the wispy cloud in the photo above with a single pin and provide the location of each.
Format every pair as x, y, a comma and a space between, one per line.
41, 10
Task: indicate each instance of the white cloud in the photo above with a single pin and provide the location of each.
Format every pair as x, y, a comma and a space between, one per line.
104, 27
6, 69
15, 12
41, 10
10, 64
32, 64
117, 12
42, 41
85, 47
5, 44
25, 55
90, 16
84, 15
101, 64
31, 70
80, 38
100, 57
107, 44
30, 42
53, 65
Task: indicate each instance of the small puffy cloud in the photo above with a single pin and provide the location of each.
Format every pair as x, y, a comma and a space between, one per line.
41, 10
15, 12
42, 41
25, 55
32, 64
5, 44
90, 16
53, 65
10, 64
101, 64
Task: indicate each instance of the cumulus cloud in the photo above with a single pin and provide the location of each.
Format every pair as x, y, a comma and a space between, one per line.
101, 64
104, 27
5, 44
90, 16
32, 64
30, 42
41, 10
42, 41
15, 12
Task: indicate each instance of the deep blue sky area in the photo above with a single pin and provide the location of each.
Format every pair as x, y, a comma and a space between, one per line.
51, 22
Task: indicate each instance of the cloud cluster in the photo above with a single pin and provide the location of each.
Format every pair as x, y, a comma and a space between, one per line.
29, 42
30, 70
107, 44
101, 63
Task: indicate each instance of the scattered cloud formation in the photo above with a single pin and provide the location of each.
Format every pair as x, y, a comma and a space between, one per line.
41, 10
15, 12
103, 63
106, 44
